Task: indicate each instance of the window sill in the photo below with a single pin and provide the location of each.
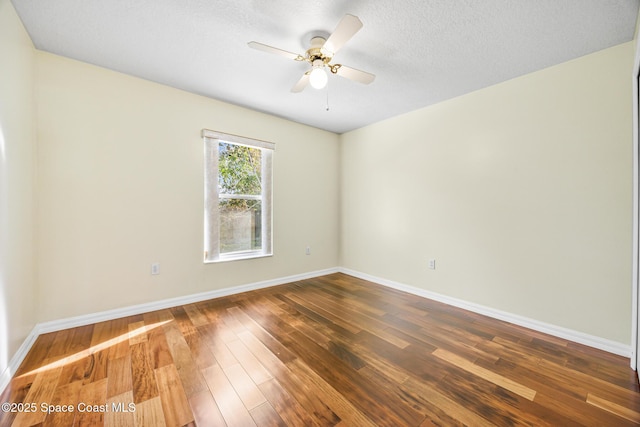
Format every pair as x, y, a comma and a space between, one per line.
238, 257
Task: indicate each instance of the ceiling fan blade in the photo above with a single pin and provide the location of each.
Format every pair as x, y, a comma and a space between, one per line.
275, 50
355, 75
301, 84
347, 27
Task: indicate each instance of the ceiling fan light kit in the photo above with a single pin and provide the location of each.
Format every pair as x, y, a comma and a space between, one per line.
320, 54
318, 77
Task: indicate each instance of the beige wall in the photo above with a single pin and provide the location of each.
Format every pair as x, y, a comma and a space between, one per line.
120, 175
520, 191
17, 169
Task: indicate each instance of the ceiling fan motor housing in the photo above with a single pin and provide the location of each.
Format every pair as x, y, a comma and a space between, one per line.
315, 52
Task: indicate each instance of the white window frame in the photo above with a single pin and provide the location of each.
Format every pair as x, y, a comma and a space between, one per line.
212, 197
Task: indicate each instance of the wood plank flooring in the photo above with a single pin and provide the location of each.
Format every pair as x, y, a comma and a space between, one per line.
334, 350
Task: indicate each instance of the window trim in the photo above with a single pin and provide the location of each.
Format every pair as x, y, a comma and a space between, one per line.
212, 197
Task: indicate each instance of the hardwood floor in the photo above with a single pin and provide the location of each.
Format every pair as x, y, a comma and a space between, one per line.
334, 350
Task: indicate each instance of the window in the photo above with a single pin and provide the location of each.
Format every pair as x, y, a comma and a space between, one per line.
237, 185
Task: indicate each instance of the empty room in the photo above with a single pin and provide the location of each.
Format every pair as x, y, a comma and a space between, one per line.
338, 213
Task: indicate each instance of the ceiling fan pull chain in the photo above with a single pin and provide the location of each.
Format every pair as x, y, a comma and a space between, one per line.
327, 109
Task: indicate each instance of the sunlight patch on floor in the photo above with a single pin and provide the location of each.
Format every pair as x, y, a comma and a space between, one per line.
96, 348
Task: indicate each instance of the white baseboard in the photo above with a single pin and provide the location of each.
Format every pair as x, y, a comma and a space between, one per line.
87, 319
17, 358
547, 328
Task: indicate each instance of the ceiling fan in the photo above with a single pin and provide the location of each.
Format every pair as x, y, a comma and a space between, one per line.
320, 53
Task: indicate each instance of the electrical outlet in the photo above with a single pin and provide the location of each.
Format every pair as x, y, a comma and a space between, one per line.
432, 264
155, 268
307, 251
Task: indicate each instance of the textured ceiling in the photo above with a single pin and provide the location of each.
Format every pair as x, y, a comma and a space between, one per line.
421, 51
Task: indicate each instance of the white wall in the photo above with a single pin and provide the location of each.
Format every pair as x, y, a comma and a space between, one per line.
520, 191
17, 170
120, 175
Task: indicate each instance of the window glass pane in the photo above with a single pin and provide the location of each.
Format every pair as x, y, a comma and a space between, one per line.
240, 225
238, 193
240, 169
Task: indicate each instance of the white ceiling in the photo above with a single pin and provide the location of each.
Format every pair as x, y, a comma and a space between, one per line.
421, 51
